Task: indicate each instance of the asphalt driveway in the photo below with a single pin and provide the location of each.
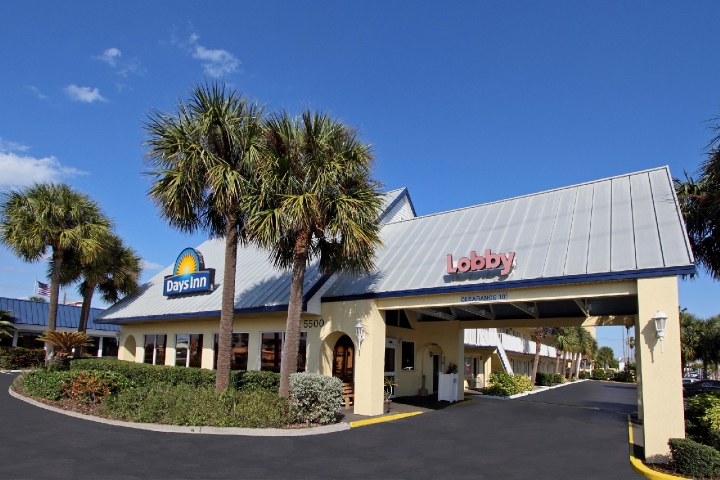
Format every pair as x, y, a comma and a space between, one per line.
540, 438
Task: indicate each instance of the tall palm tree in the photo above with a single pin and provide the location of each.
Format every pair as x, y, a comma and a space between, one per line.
317, 202
114, 273
690, 331
203, 160
6, 326
585, 346
561, 340
539, 333
708, 346
574, 349
51, 216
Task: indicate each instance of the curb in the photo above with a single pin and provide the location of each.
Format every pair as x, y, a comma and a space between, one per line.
389, 418
531, 392
155, 427
640, 467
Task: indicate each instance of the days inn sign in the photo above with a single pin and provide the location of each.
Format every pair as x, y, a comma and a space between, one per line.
189, 275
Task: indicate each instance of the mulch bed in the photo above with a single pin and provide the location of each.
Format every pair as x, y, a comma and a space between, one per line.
665, 468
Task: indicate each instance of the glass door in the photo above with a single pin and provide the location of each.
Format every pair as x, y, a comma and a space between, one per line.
390, 360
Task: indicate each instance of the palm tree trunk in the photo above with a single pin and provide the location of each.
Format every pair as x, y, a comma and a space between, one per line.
84, 315
292, 328
577, 367
227, 311
536, 361
564, 364
58, 254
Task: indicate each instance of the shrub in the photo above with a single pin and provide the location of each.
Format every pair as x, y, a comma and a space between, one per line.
254, 380
45, 384
315, 398
91, 386
145, 374
626, 375
504, 385
694, 459
584, 375
598, 374
188, 405
702, 419
558, 378
13, 358
544, 379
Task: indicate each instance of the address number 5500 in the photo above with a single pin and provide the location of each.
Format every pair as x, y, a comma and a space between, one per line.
313, 323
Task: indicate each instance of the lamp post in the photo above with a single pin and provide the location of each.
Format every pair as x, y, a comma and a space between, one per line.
660, 320
359, 333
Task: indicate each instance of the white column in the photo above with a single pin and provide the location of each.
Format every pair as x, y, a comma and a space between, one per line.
15, 338
100, 346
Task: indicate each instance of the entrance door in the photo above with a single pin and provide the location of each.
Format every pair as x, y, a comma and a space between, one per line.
344, 359
436, 370
390, 361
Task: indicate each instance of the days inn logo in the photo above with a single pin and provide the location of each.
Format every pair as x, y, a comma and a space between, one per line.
189, 275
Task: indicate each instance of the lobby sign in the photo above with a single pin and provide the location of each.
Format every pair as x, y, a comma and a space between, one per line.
475, 262
484, 297
189, 275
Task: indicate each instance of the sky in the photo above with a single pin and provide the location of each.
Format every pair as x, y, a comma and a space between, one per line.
464, 102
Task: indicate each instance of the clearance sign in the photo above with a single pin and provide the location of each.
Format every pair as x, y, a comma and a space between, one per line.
189, 275
475, 262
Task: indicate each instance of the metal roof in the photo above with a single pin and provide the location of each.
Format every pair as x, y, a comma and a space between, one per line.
627, 226
259, 286
27, 312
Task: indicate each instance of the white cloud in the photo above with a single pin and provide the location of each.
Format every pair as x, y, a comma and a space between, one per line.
21, 170
7, 146
37, 92
84, 94
146, 265
215, 62
110, 56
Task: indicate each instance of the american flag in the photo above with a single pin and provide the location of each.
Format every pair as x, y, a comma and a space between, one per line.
43, 289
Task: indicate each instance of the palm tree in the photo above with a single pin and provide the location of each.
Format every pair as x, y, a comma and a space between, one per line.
708, 346
66, 341
585, 346
114, 273
690, 331
317, 202
6, 326
561, 340
539, 333
700, 205
51, 216
203, 160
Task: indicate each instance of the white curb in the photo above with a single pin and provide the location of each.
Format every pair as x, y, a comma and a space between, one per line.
531, 392
155, 427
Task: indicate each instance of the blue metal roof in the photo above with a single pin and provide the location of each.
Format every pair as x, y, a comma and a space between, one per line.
26, 312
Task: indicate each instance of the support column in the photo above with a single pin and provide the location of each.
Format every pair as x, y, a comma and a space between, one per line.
370, 363
15, 338
638, 371
661, 373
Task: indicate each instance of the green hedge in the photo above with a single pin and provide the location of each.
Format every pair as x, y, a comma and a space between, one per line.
14, 358
142, 374
694, 459
702, 419
559, 378
504, 385
88, 386
584, 375
544, 379
191, 406
598, 374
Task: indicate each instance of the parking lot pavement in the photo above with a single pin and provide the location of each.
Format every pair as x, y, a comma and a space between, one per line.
484, 439
609, 396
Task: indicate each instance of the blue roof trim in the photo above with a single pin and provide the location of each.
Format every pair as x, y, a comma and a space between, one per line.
595, 277
176, 316
395, 202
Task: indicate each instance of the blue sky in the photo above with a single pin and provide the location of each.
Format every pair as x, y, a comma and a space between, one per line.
465, 102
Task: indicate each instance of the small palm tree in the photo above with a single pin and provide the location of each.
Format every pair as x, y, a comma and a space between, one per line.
51, 216
539, 333
203, 161
317, 201
66, 341
561, 339
6, 326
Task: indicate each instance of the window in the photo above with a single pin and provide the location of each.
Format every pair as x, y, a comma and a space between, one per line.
238, 351
93, 350
390, 357
29, 340
188, 350
468, 366
271, 347
155, 349
397, 318
110, 347
407, 360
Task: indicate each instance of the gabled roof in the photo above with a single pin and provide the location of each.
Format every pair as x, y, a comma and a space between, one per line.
26, 312
259, 286
620, 227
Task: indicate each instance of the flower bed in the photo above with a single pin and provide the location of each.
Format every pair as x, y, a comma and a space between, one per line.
178, 396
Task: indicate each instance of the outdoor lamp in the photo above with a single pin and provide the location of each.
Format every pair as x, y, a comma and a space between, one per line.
660, 323
359, 333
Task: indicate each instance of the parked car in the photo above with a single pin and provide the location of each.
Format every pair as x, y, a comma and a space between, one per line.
702, 386
688, 380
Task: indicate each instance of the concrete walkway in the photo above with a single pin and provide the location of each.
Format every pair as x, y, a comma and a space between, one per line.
514, 439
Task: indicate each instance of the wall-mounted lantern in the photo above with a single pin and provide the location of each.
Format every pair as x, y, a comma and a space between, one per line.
660, 320
359, 333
